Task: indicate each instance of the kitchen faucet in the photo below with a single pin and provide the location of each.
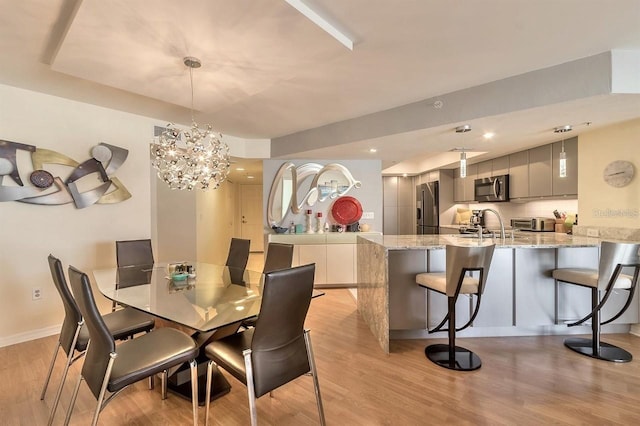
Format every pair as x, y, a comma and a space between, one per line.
502, 234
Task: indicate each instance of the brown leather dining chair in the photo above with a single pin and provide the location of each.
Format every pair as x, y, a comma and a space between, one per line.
237, 259
111, 368
279, 256
278, 349
74, 336
132, 253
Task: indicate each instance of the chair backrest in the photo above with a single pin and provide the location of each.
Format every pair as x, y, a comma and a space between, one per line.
134, 252
279, 353
238, 253
459, 258
72, 314
614, 254
279, 256
101, 343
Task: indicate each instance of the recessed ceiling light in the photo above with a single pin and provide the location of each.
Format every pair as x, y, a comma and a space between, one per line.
488, 135
563, 129
249, 177
240, 169
404, 175
373, 150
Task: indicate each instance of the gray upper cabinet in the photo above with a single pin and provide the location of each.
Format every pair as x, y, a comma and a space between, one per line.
500, 166
540, 171
484, 169
463, 188
567, 185
519, 175
458, 187
469, 187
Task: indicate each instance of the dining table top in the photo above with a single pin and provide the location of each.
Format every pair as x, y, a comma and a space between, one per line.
210, 297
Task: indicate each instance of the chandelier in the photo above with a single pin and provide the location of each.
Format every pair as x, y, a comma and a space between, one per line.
194, 158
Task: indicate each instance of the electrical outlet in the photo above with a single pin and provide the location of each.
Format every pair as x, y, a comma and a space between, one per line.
367, 215
36, 293
592, 232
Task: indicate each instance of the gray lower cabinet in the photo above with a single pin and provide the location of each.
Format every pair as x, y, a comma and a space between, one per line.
496, 304
535, 291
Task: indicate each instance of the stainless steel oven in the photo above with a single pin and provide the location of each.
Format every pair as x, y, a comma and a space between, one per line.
492, 189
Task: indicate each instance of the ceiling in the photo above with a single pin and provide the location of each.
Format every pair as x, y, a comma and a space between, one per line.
269, 72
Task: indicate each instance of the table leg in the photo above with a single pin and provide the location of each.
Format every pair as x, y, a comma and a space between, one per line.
180, 380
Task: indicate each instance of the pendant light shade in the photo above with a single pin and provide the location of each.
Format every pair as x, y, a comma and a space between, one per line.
463, 164
194, 158
563, 162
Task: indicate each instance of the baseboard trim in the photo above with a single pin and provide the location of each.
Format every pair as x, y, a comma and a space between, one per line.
29, 335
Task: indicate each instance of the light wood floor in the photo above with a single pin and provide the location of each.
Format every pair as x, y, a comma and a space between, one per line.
523, 381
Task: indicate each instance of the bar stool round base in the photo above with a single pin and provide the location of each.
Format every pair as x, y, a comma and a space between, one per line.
465, 360
608, 352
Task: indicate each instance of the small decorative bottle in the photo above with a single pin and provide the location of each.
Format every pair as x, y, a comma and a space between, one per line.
292, 228
319, 223
309, 225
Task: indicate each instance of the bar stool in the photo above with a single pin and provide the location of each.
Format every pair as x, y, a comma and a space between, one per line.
608, 277
451, 283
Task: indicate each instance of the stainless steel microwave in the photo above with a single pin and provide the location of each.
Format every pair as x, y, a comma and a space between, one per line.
492, 189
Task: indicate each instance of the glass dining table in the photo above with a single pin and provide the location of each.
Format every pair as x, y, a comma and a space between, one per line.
212, 300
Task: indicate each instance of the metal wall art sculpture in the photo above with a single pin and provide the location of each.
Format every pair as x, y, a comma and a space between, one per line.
49, 190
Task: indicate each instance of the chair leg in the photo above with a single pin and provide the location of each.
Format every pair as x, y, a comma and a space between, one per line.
152, 382
451, 356
250, 388
208, 392
73, 400
163, 380
314, 373
53, 361
56, 400
594, 347
194, 390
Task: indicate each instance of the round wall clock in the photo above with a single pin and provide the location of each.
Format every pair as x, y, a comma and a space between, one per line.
618, 173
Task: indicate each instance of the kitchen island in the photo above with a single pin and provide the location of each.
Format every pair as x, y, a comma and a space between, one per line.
520, 299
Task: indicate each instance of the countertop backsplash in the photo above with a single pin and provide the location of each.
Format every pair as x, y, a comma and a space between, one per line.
541, 208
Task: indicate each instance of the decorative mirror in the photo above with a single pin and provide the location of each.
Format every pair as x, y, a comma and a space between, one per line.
329, 182
332, 181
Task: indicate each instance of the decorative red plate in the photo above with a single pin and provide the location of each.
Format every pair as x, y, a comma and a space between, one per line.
346, 210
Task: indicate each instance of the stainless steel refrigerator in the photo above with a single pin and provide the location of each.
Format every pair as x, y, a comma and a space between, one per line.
427, 209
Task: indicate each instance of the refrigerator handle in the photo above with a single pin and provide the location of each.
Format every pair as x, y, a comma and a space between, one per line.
419, 213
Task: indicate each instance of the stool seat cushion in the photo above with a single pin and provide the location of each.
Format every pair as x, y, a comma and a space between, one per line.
588, 277
437, 281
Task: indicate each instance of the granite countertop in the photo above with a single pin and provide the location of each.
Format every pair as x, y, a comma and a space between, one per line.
520, 240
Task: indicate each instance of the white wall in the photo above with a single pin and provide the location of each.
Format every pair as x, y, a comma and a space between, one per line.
81, 237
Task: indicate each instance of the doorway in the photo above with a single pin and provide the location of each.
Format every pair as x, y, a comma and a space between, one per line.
251, 227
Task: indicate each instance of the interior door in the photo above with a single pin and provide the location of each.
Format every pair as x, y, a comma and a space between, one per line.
251, 216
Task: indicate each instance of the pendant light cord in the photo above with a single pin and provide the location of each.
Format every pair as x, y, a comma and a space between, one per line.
191, 79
